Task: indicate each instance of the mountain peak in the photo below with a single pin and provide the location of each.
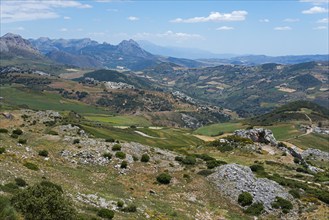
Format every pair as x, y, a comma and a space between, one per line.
130, 42
11, 35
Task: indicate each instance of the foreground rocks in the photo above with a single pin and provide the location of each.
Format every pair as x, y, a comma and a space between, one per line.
260, 135
233, 179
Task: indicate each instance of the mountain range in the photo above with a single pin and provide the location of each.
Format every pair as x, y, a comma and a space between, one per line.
128, 54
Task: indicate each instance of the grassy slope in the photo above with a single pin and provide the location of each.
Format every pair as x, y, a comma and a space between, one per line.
216, 128
122, 120
43, 101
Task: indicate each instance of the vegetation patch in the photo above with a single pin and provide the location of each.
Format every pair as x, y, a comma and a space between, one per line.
164, 178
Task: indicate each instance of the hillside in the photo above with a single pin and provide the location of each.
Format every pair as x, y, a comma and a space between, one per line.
249, 90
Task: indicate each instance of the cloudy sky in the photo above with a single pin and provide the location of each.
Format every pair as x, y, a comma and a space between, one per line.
240, 27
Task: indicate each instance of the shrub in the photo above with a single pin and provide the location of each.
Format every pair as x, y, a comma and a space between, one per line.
18, 131
130, 208
51, 132
2, 150
9, 187
3, 130
135, 158
225, 148
43, 153
214, 163
120, 203
76, 141
120, 155
189, 160
107, 155
124, 164
14, 136
280, 144
205, 172
284, 154
301, 170
296, 160
179, 159
22, 141
116, 147
257, 168
164, 178
109, 140
133, 126
105, 213
145, 158
282, 203
43, 201
294, 193
7, 212
245, 199
31, 166
255, 209
205, 157
20, 182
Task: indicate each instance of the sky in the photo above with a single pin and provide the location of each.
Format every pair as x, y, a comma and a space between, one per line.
292, 27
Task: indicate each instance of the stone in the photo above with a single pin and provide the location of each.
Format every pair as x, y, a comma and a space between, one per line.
260, 135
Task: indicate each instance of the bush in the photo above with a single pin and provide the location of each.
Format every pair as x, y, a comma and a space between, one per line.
107, 155
164, 178
294, 193
22, 141
14, 136
116, 147
135, 158
225, 148
76, 141
120, 155
105, 213
51, 132
43, 201
2, 150
214, 163
3, 130
145, 158
189, 160
282, 203
20, 182
18, 131
130, 208
43, 153
245, 199
124, 164
179, 159
120, 203
109, 140
257, 168
205, 157
31, 166
205, 172
7, 212
296, 160
255, 209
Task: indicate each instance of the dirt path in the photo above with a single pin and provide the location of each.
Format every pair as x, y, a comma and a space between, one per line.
148, 136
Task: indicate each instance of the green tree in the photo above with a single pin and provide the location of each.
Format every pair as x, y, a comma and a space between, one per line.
43, 201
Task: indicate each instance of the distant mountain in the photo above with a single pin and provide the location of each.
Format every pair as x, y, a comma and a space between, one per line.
12, 45
181, 52
251, 60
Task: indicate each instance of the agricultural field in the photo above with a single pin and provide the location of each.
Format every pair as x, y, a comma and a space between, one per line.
216, 129
121, 120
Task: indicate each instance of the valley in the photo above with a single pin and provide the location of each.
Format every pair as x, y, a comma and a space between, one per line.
161, 138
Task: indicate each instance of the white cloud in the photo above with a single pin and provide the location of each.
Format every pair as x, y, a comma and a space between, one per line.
67, 18
323, 20
215, 16
225, 28
133, 18
315, 2
63, 29
13, 11
284, 28
321, 28
265, 20
291, 20
315, 10
112, 9
168, 35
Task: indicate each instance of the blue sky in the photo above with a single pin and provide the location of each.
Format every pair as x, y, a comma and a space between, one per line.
240, 27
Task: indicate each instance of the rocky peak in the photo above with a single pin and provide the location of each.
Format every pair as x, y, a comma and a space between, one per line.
12, 42
260, 135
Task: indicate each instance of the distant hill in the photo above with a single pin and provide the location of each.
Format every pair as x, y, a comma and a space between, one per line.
299, 110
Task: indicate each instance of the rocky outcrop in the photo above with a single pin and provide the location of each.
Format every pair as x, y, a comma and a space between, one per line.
315, 154
258, 135
233, 179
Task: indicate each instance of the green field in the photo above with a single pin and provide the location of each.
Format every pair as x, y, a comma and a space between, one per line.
284, 131
20, 96
124, 120
215, 129
316, 141
167, 138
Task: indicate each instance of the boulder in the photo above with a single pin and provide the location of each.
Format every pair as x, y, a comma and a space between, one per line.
260, 135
